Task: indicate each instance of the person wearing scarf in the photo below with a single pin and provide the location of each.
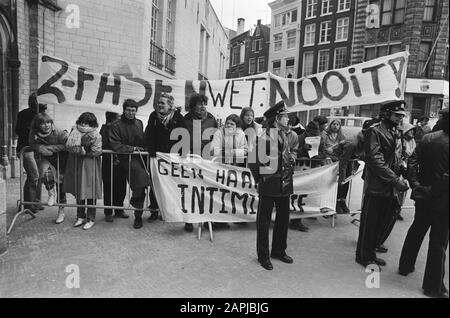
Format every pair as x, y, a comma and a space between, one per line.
83, 175
49, 144
160, 124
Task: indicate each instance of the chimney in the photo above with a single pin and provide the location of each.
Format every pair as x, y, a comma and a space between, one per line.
241, 26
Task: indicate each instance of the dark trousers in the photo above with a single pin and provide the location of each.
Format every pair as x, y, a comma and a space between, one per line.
435, 269
81, 212
137, 201
32, 187
343, 191
153, 202
114, 183
376, 223
280, 230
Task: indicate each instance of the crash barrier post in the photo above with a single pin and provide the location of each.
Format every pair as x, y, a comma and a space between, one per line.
3, 237
54, 176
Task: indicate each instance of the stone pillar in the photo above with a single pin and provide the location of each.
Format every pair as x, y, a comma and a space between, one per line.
3, 240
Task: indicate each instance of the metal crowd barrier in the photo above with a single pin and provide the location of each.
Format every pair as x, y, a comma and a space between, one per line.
57, 175
143, 157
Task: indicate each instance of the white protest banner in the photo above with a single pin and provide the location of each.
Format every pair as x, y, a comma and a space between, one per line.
64, 83
379, 80
194, 190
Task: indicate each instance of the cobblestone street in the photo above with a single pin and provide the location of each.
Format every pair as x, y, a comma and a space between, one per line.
161, 260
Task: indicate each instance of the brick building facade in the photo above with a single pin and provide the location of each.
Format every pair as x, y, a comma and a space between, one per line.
415, 25
249, 51
154, 39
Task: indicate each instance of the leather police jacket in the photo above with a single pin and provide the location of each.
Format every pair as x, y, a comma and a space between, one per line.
383, 155
274, 176
428, 167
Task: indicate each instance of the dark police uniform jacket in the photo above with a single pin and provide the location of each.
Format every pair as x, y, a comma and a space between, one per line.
276, 182
383, 151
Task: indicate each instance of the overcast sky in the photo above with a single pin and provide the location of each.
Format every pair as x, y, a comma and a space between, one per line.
229, 11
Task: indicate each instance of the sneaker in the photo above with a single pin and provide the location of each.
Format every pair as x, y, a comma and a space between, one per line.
51, 196
88, 225
79, 222
61, 216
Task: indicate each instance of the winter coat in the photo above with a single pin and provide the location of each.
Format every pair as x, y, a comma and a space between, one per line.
428, 167
23, 127
278, 182
383, 154
229, 146
208, 122
157, 136
124, 136
51, 147
328, 145
83, 175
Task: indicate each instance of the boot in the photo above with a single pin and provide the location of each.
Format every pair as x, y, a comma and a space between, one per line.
344, 207
61, 216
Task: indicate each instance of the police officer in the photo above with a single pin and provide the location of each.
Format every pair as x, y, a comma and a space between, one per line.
428, 175
273, 174
383, 149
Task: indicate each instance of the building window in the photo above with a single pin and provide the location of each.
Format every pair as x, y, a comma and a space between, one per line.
311, 8
393, 12
428, 13
382, 50
278, 42
290, 70
278, 20
286, 18
325, 32
236, 55
340, 57
252, 62
154, 21
342, 29
308, 63
424, 53
291, 39
324, 61
386, 12
310, 34
261, 64
169, 26
343, 5
276, 66
256, 45
326, 7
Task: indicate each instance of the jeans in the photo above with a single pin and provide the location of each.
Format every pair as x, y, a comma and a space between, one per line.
49, 181
32, 186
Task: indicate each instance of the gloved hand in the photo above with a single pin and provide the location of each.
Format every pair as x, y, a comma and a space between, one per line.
421, 193
307, 147
401, 185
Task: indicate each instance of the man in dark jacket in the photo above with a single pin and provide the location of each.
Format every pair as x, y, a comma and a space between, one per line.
32, 186
383, 150
127, 136
196, 122
157, 136
275, 184
113, 174
428, 175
